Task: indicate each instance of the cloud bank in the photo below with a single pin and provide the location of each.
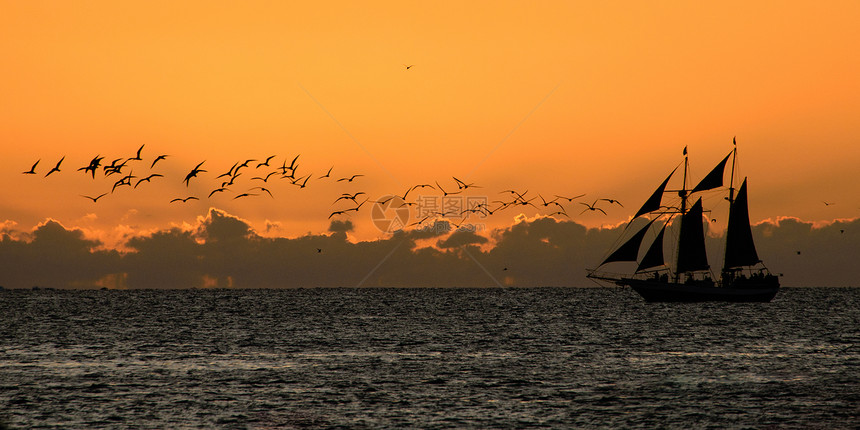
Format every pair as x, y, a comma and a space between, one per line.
224, 251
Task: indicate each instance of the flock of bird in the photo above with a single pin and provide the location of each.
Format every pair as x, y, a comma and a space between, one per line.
260, 173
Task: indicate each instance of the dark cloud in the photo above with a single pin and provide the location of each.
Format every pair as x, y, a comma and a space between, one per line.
338, 226
225, 251
462, 237
53, 256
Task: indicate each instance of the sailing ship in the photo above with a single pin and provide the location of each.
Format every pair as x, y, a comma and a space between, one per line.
688, 277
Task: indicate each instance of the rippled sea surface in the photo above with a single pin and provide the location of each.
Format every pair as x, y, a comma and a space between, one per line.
426, 358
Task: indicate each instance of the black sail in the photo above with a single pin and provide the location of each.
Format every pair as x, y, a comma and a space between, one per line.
740, 248
691, 245
713, 179
654, 256
629, 251
653, 202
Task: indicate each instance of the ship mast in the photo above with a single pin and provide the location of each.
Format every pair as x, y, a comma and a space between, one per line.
683, 194
732, 179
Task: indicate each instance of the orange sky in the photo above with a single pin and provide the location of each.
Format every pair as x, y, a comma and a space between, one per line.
556, 98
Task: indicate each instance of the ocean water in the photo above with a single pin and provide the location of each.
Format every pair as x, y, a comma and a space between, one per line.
426, 358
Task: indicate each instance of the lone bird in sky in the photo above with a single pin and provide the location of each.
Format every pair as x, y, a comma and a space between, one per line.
408, 66
56, 168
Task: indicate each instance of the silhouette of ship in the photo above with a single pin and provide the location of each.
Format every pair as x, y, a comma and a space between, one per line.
688, 278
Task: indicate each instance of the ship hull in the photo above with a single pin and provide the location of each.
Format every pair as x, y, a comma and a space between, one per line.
656, 291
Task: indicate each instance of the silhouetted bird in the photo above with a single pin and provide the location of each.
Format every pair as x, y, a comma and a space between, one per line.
264, 190
157, 159
219, 190
347, 196
32, 170
148, 178
591, 207
462, 185
229, 172
408, 66
570, 199
56, 168
93, 166
327, 174
265, 163
185, 199
349, 179
265, 178
137, 157
193, 173
95, 199
446, 193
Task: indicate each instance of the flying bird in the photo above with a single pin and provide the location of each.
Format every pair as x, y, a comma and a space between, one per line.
570, 199
56, 168
194, 173
137, 157
292, 166
611, 201
265, 178
157, 159
113, 168
229, 172
349, 179
219, 190
263, 189
445, 193
32, 170
344, 211
185, 199
328, 174
408, 66
95, 199
148, 179
591, 207
265, 163
244, 195
93, 166
462, 185
347, 196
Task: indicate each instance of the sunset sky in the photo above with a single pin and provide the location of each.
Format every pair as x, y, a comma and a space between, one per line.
560, 98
